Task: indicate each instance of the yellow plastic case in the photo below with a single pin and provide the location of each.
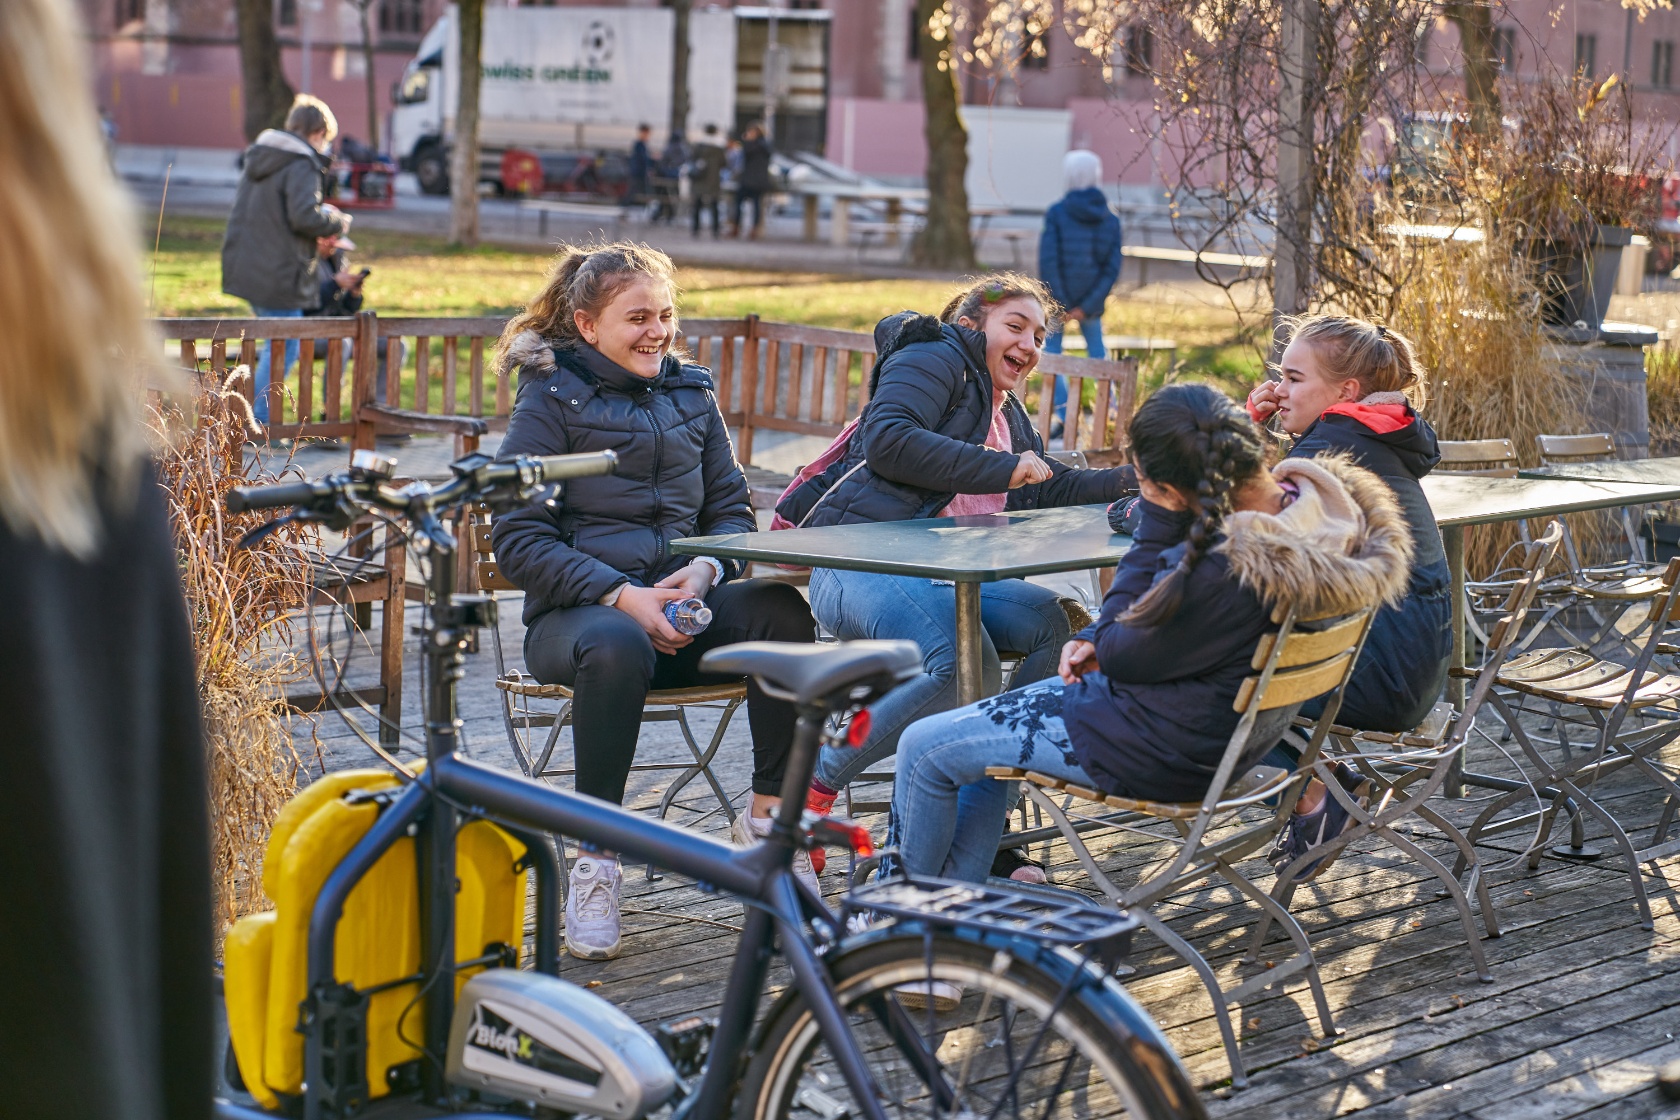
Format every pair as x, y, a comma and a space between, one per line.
265, 959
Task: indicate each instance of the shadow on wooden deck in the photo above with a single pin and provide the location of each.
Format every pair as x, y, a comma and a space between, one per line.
1583, 1009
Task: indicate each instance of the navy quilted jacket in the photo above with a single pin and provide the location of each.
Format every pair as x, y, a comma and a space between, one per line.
677, 475
1079, 250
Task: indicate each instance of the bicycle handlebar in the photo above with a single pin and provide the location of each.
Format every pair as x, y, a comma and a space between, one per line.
477, 478
243, 498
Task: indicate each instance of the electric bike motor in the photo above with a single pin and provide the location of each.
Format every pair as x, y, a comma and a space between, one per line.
536, 1038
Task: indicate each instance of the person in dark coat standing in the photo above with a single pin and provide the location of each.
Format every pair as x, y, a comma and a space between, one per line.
1079, 258
755, 181
597, 372
641, 165
105, 896
944, 435
706, 178
268, 250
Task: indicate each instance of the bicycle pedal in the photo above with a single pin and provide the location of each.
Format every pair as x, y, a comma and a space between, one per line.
686, 1042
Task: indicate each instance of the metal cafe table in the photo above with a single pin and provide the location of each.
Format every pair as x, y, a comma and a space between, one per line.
1460, 501
1644, 472
968, 551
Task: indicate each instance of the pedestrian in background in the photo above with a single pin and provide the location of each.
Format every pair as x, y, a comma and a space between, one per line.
755, 180
268, 251
706, 178
1079, 258
105, 907
668, 178
641, 165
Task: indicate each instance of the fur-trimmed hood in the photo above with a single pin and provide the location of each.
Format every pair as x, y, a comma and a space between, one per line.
530, 350
1342, 545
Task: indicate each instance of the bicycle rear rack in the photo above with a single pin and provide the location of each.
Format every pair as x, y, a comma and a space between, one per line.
1075, 920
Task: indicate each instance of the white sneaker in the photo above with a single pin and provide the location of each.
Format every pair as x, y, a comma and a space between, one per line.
592, 909
945, 995
749, 830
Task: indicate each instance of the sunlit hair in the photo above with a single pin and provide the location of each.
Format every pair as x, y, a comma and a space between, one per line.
585, 279
1380, 359
976, 301
76, 349
309, 115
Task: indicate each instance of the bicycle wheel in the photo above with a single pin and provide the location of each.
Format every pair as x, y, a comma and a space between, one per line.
1008, 1039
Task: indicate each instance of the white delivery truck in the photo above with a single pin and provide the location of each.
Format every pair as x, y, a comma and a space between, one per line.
567, 84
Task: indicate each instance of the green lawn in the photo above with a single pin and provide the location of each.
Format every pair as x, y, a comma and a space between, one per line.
418, 275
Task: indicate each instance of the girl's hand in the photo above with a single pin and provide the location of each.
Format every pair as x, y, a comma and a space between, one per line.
1163, 496
1078, 658
1029, 469
695, 580
647, 606
1263, 401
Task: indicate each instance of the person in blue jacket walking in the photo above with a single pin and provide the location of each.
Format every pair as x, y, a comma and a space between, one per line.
1079, 258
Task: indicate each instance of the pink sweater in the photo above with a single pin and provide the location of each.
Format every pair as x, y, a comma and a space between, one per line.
997, 438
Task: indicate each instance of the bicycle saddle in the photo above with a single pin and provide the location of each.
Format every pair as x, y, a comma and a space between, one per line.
812, 672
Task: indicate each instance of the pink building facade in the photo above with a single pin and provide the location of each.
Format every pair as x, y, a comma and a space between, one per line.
168, 71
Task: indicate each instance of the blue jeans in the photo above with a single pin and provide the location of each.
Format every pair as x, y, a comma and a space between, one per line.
947, 816
1014, 615
259, 383
1094, 348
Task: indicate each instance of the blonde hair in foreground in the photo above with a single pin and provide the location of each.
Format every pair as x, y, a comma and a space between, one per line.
75, 347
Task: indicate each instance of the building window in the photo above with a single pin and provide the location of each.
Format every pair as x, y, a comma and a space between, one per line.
1140, 50
1505, 48
1662, 64
1586, 55
1035, 49
286, 13
129, 11
400, 17
915, 35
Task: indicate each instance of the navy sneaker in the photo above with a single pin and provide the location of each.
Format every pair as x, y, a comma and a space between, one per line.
1306, 831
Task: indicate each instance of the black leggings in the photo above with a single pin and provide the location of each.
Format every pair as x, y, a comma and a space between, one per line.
609, 662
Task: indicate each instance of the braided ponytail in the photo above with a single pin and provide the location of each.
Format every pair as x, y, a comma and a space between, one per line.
1196, 439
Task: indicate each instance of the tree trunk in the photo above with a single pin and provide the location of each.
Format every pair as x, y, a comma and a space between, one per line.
268, 96
362, 7
679, 66
1292, 247
463, 178
944, 241
1474, 20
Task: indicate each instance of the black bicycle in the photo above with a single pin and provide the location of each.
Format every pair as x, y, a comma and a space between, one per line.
953, 1000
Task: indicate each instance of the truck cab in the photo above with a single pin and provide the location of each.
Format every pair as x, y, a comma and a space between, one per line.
417, 116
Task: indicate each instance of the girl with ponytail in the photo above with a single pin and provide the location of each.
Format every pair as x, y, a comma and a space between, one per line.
1142, 706
595, 353
1349, 386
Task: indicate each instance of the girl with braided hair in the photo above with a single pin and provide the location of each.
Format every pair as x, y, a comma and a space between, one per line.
1142, 705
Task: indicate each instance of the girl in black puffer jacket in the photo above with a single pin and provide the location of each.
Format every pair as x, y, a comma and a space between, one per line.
597, 373
944, 435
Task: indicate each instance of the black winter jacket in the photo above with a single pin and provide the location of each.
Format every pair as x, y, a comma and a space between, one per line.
268, 251
676, 477
922, 440
1156, 717
1404, 663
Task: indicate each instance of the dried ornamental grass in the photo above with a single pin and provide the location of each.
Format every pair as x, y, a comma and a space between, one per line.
241, 602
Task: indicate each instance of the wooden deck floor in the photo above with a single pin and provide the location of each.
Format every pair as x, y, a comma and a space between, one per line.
1583, 1010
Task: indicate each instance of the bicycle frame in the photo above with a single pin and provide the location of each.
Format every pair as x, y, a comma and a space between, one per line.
776, 901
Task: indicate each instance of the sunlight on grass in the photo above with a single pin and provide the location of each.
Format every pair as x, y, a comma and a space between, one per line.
419, 275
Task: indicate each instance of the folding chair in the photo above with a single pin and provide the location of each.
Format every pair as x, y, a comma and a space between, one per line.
529, 706
1408, 768
1631, 711
1618, 584
1292, 665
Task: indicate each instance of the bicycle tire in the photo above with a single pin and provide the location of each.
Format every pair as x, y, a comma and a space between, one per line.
1107, 1059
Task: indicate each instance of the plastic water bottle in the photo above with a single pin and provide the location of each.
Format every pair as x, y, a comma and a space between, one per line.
688, 616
